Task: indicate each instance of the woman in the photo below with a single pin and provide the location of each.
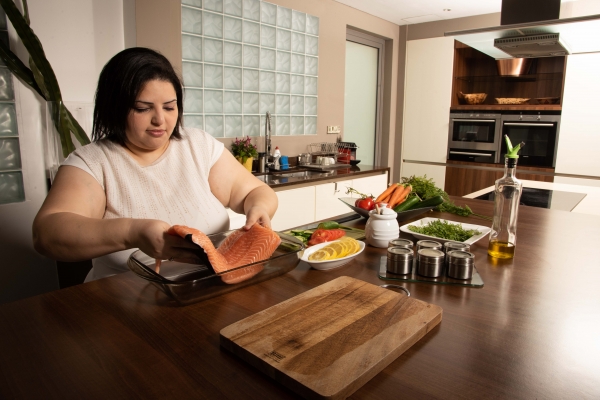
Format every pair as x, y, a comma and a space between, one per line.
142, 174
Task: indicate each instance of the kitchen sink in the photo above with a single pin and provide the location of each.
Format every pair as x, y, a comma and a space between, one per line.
299, 174
283, 177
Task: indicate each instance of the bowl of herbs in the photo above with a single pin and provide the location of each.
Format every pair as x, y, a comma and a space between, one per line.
442, 230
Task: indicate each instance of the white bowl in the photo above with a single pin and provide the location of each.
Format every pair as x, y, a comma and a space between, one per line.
329, 264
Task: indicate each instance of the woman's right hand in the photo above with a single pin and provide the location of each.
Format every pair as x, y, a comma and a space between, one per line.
151, 237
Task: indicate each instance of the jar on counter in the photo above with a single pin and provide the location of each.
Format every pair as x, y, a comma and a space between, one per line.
381, 228
401, 243
430, 262
460, 264
428, 244
399, 260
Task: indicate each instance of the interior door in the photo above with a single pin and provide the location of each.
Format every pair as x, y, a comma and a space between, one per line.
362, 97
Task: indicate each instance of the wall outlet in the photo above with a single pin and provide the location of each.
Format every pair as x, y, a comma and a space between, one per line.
335, 129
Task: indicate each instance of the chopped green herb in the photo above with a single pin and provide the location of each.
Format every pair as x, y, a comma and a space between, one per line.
444, 230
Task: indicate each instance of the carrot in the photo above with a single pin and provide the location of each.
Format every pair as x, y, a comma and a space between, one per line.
399, 195
387, 192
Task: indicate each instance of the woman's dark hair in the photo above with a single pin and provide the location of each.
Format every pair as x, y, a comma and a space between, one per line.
119, 84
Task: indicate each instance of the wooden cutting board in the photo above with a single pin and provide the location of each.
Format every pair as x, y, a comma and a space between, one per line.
329, 341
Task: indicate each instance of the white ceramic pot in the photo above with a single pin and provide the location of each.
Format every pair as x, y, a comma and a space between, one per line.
381, 228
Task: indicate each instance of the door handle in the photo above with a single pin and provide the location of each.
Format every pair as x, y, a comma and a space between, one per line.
526, 124
473, 120
464, 153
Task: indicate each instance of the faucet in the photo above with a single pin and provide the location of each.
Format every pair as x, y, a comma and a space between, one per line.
267, 164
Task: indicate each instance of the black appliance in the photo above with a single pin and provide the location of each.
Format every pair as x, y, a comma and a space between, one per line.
474, 137
544, 198
540, 134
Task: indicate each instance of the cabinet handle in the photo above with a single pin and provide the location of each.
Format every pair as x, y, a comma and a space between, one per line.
464, 153
335, 190
526, 124
473, 120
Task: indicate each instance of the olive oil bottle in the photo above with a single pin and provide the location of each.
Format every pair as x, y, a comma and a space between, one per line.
507, 194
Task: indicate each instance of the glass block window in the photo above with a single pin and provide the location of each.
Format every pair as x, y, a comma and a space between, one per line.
242, 58
11, 174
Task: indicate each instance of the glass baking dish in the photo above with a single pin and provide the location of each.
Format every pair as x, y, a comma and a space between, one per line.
189, 283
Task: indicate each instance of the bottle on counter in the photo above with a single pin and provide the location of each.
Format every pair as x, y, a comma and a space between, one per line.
507, 193
277, 152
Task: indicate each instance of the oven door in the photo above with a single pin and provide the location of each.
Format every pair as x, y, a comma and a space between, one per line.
475, 136
540, 139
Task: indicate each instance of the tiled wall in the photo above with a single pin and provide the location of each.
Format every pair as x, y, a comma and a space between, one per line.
11, 176
242, 58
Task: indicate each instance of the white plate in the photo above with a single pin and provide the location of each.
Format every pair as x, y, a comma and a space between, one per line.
424, 221
329, 264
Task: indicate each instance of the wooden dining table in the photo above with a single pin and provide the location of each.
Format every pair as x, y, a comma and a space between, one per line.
531, 332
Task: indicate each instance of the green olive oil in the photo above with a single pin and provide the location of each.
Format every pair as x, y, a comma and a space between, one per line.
500, 249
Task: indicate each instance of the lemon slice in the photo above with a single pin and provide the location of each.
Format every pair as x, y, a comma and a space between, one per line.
339, 249
330, 251
352, 245
319, 255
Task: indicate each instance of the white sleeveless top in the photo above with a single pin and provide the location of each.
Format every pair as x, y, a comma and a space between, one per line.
173, 189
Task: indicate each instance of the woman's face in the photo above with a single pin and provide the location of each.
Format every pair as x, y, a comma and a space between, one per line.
151, 121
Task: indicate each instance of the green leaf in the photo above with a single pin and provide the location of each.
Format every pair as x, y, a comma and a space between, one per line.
40, 77
34, 47
16, 66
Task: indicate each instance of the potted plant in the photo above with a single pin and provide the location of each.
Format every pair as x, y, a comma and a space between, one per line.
40, 76
244, 151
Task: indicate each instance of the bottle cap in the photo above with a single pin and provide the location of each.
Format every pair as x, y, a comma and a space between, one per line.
512, 152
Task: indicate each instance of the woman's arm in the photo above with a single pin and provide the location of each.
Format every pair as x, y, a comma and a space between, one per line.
241, 191
70, 224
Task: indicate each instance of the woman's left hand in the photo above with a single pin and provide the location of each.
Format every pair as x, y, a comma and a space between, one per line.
257, 214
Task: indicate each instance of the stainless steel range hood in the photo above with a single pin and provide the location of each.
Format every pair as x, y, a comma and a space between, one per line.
535, 39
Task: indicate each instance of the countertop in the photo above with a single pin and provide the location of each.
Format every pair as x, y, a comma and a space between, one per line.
589, 205
330, 176
532, 331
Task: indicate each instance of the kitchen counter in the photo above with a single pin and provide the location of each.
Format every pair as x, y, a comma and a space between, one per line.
532, 331
278, 181
590, 204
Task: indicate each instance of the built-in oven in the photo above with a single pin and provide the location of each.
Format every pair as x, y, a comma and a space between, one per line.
474, 137
538, 131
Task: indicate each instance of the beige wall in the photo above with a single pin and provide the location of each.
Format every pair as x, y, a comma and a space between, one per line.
158, 25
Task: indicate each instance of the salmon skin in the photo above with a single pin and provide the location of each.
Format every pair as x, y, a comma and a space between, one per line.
238, 249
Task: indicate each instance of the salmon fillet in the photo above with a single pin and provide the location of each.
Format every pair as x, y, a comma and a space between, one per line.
238, 249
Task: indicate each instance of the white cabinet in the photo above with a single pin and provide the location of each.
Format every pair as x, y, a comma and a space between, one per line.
236, 221
296, 207
429, 64
579, 138
374, 185
427, 96
303, 206
327, 204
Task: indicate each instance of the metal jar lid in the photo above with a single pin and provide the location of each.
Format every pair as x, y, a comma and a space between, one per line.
400, 253
430, 256
450, 246
400, 243
460, 257
429, 244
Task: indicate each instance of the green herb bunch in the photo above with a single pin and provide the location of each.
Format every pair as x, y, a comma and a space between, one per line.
444, 230
426, 189
244, 149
